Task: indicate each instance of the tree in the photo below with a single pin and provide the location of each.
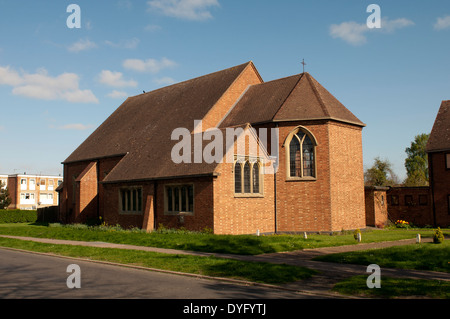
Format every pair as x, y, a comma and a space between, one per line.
380, 174
416, 163
5, 200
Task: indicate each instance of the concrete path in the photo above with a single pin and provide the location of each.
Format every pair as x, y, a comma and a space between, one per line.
329, 273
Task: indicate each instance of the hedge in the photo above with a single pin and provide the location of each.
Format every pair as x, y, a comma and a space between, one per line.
17, 216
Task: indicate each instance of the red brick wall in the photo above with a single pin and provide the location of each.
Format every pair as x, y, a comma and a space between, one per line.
414, 212
14, 191
376, 206
68, 207
111, 205
440, 184
334, 200
347, 176
304, 205
242, 215
69, 211
86, 206
201, 219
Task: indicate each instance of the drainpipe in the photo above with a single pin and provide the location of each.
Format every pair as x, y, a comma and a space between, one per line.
98, 189
275, 182
155, 187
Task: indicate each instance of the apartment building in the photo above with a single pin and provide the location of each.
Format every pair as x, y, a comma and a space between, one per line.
32, 191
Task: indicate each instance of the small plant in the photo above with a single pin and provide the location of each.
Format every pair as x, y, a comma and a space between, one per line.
438, 236
357, 234
207, 230
402, 224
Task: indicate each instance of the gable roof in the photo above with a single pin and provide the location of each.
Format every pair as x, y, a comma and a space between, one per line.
140, 129
294, 98
439, 139
139, 132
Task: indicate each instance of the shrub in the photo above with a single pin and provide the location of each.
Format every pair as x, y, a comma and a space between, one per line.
355, 234
402, 224
438, 236
17, 216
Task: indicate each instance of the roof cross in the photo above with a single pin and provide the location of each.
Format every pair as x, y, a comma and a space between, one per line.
303, 62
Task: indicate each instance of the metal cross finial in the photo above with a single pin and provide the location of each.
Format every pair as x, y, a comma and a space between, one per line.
303, 62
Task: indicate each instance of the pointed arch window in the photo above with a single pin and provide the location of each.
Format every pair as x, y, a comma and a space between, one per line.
301, 154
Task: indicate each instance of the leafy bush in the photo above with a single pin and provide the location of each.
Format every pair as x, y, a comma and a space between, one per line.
402, 224
355, 234
17, 216
438, 236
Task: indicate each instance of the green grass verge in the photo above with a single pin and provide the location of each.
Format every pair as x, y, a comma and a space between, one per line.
208, 266
241, 244
424, 256
394, 288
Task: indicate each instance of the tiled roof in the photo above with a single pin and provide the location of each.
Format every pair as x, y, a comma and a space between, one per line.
295, 98
141, 128
439, 139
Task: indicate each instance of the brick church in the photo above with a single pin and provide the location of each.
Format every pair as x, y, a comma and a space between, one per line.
308, 178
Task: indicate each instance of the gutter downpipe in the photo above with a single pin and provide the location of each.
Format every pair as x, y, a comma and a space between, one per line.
275, 184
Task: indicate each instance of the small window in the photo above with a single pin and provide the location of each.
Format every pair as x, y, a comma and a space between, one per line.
42, 181
247, 177
131, 200
179, 199
23, 181
394, 200
237, 178
408, 200
255, 179
423, 200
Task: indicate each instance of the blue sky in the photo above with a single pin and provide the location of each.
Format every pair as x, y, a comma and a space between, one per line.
57, 84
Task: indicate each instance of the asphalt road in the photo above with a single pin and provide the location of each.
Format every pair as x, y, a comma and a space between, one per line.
28, 276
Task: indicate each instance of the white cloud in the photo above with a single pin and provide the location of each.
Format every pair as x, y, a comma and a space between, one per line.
42, 86
117, 94
350, 32
149, 65
392, 25
355, 33
75, 126
115, 79
185, 9
82, 45
442, 23
9, 76
125, 44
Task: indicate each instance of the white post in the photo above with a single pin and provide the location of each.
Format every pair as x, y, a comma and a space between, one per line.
305, 235
257, 232
418, 239
358, 237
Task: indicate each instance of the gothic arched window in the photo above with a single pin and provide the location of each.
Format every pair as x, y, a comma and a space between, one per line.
301, 154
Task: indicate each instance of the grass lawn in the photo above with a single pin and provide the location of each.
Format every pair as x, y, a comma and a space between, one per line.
394, 288
241, 244
207, 266
424, 256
